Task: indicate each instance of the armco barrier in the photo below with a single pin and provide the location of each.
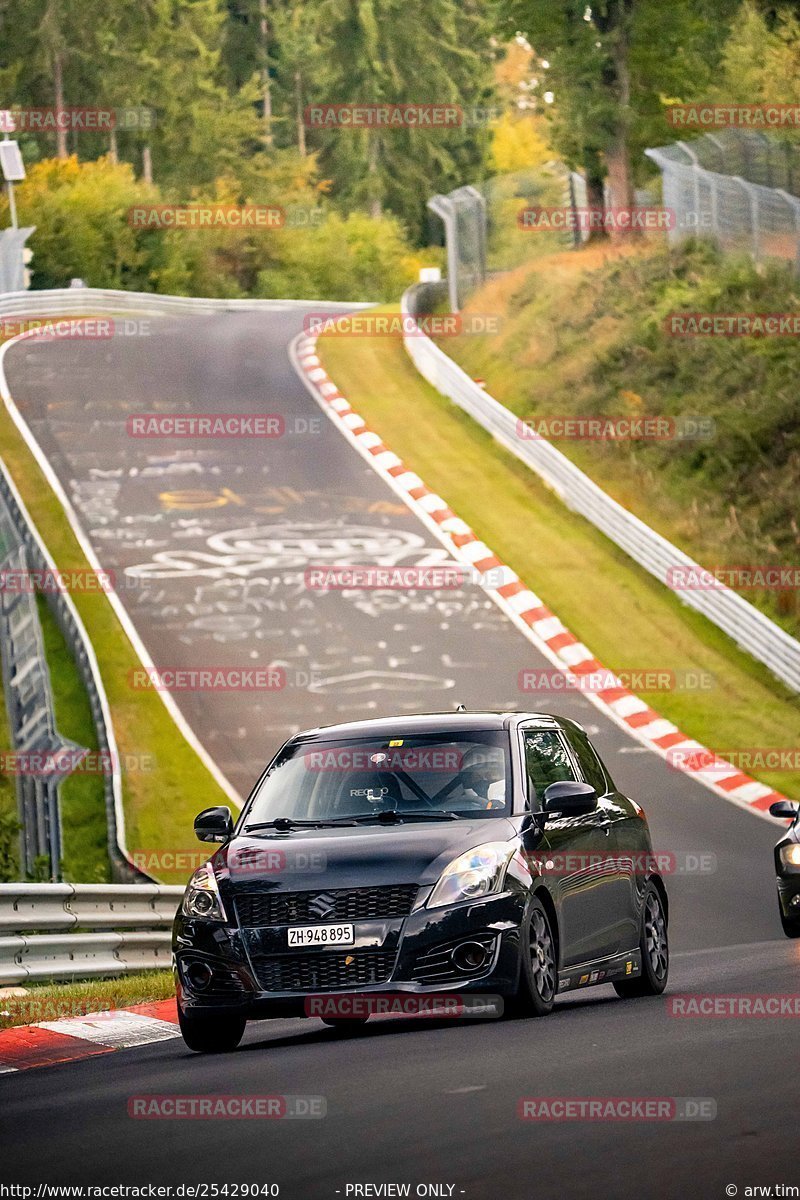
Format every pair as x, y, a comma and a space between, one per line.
63, 931
80, 301
74, 632
749, 628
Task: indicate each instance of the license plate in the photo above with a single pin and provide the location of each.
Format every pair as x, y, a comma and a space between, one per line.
322, 935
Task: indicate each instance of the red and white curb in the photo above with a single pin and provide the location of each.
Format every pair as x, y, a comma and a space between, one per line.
25, 1046
528, 612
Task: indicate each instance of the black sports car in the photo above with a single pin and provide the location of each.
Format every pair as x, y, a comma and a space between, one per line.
476, 854
787, 868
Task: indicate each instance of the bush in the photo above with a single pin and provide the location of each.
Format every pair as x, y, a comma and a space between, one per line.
350, 258
80, 214
80, 210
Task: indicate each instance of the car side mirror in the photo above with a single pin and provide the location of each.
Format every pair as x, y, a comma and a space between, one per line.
569, 798
783, 808
214, 824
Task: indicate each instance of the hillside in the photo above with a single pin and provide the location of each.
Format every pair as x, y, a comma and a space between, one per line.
583, 334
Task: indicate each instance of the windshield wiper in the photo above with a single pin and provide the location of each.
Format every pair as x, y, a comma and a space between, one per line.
389, 816
283, 824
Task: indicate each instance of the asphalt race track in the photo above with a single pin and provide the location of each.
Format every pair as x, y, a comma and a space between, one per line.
212, 539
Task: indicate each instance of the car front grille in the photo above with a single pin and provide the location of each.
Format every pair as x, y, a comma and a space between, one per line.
323, 972
256, 909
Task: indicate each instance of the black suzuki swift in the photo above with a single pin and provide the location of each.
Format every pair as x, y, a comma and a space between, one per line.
477, 854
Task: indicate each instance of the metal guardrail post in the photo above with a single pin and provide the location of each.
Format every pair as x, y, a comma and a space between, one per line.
443, 207
480, 213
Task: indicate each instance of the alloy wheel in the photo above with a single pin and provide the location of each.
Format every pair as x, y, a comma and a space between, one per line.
655, 935
543, 963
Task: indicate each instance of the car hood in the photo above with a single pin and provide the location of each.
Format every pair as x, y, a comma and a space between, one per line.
366, 856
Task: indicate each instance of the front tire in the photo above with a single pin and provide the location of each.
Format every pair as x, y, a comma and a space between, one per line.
791, 925
653, 947
211, 1035
539, 968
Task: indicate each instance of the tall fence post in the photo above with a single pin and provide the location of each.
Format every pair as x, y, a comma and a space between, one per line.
794, 205
444, 209
752, 195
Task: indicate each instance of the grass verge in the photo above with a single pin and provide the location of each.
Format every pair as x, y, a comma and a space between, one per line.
162, 798
592, 334
627, 618
84, 854
55, 1001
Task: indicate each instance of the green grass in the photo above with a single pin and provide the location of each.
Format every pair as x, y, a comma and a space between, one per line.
52, 1002
160, 804
9, 819
83, 814
626, 617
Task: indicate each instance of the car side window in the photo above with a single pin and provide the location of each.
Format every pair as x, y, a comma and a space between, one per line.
590, 765
547, 761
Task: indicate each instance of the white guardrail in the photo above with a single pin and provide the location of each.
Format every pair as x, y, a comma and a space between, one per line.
749, 628
79, 301
65, 931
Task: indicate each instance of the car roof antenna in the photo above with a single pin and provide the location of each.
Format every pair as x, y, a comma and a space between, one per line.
461, 708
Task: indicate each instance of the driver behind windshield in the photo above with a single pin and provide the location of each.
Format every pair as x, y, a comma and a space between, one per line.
333, 781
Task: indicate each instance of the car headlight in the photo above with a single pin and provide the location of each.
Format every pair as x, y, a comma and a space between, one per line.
202, 898
790, 855
477, 873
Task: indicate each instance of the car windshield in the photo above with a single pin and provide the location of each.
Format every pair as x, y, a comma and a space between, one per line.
450, 775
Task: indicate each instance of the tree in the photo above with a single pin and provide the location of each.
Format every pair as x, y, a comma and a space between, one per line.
611, 63
402, 52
